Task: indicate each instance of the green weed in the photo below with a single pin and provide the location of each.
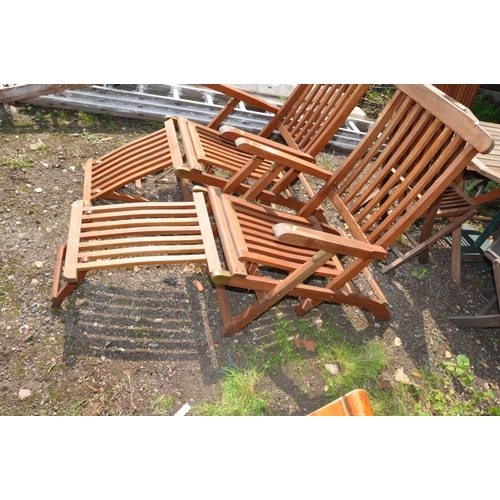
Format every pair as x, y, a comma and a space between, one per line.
18, 161
62, 114
239, 396
453, 393
162, 405
155, 125
87, 119
109, 122
419, 272
359, 366
92, 138
484, 108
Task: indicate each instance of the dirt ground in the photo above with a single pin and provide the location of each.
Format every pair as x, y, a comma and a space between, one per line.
128, 336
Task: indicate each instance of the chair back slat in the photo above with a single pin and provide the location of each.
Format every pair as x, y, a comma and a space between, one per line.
309, 116
418, 146
313, 113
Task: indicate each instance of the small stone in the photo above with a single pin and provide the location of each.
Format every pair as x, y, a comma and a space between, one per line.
24, 393
38, 190
34, 281
325, 389
38, 263
170, 280
333, 369
397, 342
448, 354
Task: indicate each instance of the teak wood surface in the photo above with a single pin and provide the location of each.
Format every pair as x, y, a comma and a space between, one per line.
417, 147
309, 118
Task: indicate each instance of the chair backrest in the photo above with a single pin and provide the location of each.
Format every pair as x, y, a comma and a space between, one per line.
137, 159
464, 93
417, 147
313, 113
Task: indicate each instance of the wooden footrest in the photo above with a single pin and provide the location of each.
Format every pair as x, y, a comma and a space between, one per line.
134, 234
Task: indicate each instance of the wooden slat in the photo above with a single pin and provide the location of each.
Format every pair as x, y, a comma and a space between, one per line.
141, 250
235, 266
146, 240
70, 272
209, 245
142, 261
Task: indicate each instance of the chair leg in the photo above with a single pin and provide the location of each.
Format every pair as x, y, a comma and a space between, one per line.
224, 305
423, 256
186, 192
59, 294
267, 300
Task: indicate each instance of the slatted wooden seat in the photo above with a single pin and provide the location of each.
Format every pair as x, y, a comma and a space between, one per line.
418, 146
134, 234
130, 163
354, 404
310, 117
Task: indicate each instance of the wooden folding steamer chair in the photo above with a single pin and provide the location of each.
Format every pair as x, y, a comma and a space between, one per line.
418, 146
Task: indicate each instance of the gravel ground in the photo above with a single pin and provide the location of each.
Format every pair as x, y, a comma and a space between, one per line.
129, 336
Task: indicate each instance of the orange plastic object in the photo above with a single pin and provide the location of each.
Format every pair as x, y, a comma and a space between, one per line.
354, 404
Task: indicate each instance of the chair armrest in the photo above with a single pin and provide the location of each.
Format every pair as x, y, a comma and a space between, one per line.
260, 147
233, 133
241, 95
318, 240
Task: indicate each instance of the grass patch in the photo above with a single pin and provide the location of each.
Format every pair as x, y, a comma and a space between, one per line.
92, 138
87, 119
484, 108
109, 122
359, 366
239, 396
163, 405
447, 391
18, 162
